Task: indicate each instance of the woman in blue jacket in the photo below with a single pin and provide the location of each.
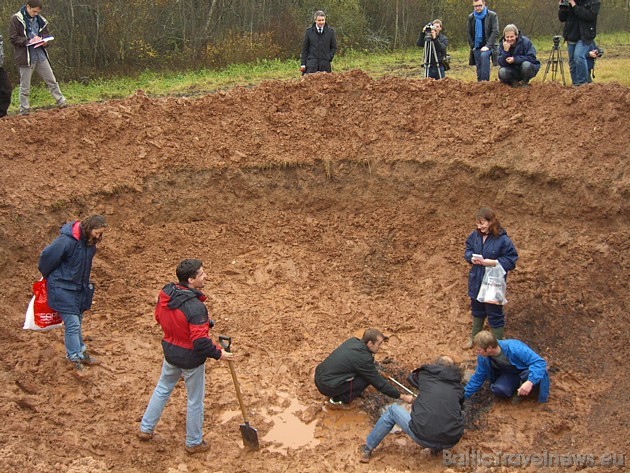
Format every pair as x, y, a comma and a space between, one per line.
66, 265
491, 246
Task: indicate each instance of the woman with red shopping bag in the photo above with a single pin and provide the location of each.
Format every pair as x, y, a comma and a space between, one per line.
66, 265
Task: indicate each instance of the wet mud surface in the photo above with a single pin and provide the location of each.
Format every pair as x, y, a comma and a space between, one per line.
319, 208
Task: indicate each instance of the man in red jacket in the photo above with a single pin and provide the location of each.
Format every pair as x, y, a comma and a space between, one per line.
184, 319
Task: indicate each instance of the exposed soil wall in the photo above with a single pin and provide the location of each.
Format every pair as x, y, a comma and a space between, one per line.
319, 208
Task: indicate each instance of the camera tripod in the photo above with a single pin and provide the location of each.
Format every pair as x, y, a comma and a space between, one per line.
430, 53
555, 61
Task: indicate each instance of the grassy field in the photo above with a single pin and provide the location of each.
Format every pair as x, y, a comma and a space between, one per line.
613, 67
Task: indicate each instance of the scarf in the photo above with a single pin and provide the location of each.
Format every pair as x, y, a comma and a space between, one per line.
479, 17
27, 18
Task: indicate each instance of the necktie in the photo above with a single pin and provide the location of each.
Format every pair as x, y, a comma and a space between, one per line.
319, 30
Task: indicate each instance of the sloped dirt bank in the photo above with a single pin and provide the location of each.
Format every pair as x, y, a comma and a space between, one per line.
319, 208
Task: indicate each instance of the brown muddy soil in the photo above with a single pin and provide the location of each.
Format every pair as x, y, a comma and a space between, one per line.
319, 208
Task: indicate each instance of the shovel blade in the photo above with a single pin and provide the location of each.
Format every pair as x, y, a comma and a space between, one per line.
250, 436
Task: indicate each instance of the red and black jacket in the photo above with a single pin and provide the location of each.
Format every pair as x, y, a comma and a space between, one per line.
184, 319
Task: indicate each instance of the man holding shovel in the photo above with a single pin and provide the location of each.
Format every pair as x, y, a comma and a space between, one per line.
350, 369
184, 319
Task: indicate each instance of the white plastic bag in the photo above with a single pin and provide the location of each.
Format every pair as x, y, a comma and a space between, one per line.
493, 286
47, 321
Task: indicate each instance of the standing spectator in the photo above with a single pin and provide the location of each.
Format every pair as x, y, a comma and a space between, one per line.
28, 26
319, 46
510, 365
5, 84
436, 421
66, 265
350, 369
517, 58
488, 245
482, 30
186, 345
580, 28
440, 43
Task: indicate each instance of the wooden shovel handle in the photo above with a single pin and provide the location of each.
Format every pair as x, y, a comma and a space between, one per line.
238, 391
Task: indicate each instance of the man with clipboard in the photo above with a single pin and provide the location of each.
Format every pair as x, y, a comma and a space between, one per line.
28, 32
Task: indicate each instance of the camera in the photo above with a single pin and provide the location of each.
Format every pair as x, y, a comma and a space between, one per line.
600, 52
564, 3
429, 28
556, 41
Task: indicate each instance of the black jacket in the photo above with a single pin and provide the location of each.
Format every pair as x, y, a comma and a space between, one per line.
436, 414
318, 50
352, 358
580, 22
440, 43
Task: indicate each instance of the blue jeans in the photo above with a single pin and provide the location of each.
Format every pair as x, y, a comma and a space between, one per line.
394, 415
195, 380
482, 62
73, 337
436, 73
578, 65
520, 72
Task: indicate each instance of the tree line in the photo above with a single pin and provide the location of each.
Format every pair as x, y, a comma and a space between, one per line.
96, 38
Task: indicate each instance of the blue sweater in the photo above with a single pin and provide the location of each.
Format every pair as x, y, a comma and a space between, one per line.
523, 358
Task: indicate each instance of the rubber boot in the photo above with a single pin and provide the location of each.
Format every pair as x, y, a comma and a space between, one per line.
477, 326
498, 332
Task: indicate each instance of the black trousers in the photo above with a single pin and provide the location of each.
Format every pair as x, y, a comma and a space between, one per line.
5, 92
345, 392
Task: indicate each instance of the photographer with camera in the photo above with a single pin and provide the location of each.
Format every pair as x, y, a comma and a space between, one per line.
517, 58
435, 64
482, 30
580, 28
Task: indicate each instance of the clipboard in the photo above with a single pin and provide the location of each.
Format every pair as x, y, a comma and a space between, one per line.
41, 42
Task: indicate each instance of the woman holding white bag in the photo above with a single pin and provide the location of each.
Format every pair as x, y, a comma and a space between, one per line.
487, 247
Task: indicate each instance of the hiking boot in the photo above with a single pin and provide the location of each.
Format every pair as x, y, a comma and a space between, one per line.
78, 366
25, 111
365, 454
202, 447
62, 104
145, 436
88, 360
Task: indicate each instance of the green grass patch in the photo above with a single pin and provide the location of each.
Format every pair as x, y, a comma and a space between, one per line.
613, 67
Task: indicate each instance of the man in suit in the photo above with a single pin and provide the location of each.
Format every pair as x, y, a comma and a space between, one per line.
319, 46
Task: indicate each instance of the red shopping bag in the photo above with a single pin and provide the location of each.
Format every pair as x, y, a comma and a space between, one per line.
39, 316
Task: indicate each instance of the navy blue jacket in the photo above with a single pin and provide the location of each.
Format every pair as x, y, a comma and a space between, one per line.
66, 265
522, 50
499, 248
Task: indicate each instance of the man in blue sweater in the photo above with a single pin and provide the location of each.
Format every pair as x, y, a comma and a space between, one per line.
510, 365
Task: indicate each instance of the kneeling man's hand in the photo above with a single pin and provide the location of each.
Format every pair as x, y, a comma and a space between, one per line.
525, 388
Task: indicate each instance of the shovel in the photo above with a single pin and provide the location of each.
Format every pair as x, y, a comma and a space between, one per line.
250, 435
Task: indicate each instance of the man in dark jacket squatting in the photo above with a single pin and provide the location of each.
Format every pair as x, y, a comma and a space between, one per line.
350, 369
436, 421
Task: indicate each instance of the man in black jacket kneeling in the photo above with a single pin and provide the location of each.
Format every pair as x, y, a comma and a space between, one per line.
436, 421
350, 369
